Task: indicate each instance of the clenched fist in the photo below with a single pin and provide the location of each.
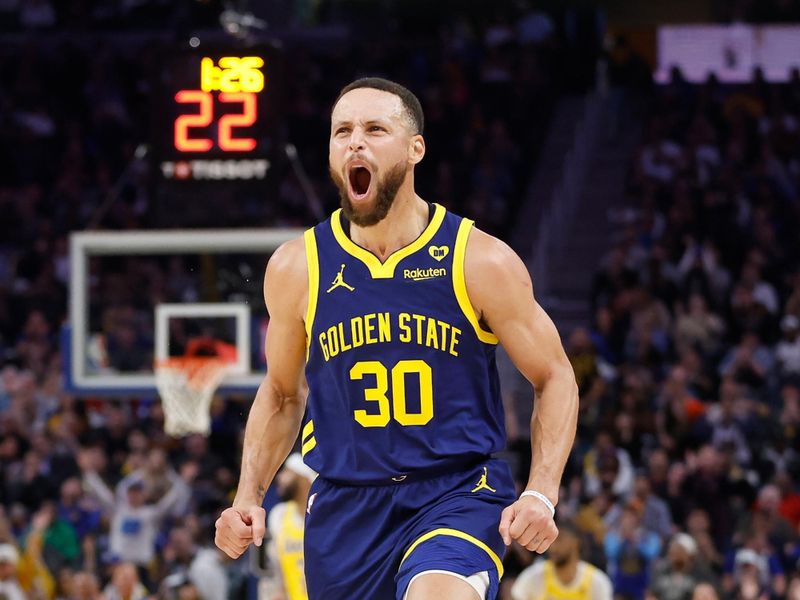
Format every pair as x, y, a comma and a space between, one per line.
529, 522
238, 527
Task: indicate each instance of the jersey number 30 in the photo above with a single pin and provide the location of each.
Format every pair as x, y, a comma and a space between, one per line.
399, 408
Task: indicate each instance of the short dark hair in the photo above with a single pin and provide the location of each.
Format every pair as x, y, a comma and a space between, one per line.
410, 102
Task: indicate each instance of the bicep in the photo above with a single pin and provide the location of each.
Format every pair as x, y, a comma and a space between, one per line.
285, 353
531, 340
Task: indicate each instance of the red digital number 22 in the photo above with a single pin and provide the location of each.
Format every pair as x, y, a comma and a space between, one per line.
185, 143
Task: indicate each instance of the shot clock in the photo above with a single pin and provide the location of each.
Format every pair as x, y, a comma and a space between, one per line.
216, 114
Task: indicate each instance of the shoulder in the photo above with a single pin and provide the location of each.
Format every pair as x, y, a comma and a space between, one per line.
275, 517
497, 280
529, 582
489, 255
601, 583
286, 277
289, 259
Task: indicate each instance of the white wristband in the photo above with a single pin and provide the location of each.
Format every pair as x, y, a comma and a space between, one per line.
541, 497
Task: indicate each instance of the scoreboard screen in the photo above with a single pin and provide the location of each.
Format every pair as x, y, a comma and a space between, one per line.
216, 114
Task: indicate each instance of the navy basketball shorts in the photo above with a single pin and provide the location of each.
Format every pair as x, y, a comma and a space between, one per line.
368, 542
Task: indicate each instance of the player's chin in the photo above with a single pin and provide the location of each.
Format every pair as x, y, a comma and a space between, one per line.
364, 204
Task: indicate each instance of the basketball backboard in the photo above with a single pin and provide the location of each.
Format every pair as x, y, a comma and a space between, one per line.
139, 296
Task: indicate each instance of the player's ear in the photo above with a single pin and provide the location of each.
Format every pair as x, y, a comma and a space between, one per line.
416, 149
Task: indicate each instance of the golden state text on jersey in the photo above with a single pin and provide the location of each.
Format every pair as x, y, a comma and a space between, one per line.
402, 377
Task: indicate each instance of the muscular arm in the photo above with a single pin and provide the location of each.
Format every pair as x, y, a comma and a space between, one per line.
501, 292
277, 411
275, 417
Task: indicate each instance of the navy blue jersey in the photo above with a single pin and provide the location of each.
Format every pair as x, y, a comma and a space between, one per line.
402, 378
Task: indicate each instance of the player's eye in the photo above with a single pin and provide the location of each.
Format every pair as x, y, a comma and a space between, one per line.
376, 128
342, 130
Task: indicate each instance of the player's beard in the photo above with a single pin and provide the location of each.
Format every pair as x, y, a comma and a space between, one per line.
561, 560
386, 189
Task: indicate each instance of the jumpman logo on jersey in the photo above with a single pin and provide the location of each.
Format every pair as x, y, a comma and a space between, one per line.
338, 281
482, 485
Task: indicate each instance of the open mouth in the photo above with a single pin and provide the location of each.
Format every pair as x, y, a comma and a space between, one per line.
360, 179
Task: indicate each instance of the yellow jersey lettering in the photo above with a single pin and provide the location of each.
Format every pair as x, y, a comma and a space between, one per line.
431, 340
384, 327
446, 332
454, 341
369, 328
419, 319
405, 330
379, 328
357, 331
324, 346
333, 341
342, 342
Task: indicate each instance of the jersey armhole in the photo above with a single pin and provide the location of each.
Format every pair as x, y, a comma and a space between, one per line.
312, 259
460, 283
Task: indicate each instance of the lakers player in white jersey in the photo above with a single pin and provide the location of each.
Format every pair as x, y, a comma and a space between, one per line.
563, 576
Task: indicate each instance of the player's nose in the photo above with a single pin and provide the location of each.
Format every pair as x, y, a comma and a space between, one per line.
356, 140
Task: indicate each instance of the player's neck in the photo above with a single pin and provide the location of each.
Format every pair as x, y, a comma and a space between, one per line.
566, 573
407, 219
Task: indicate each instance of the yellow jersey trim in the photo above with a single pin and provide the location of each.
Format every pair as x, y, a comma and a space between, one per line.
385, 270
312, 258
308, 429
460, 283
459, 534
308, 446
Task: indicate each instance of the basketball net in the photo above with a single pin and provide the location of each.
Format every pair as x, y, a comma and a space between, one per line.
186, 385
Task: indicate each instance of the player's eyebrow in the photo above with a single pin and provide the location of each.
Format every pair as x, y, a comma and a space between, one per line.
374, 121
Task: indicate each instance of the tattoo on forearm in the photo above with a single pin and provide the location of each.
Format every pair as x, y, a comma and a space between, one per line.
261, 490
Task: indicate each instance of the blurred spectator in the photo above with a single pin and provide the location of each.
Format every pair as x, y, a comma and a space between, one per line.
84, 587
678, 420
563, 574
9, 584
656, 517
766, 527
676, 577
787, 352
754, 575
748, 363
698, 526
135, 520
705, 591
790, 499
631, 551
201, 567
57, 544
607, 467
77, 510
125, 584
698, 326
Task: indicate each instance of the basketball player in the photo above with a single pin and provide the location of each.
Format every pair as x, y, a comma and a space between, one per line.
285, 525
563, 576
381, 350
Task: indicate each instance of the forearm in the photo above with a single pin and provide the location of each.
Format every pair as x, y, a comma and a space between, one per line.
272, 428
553, 428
